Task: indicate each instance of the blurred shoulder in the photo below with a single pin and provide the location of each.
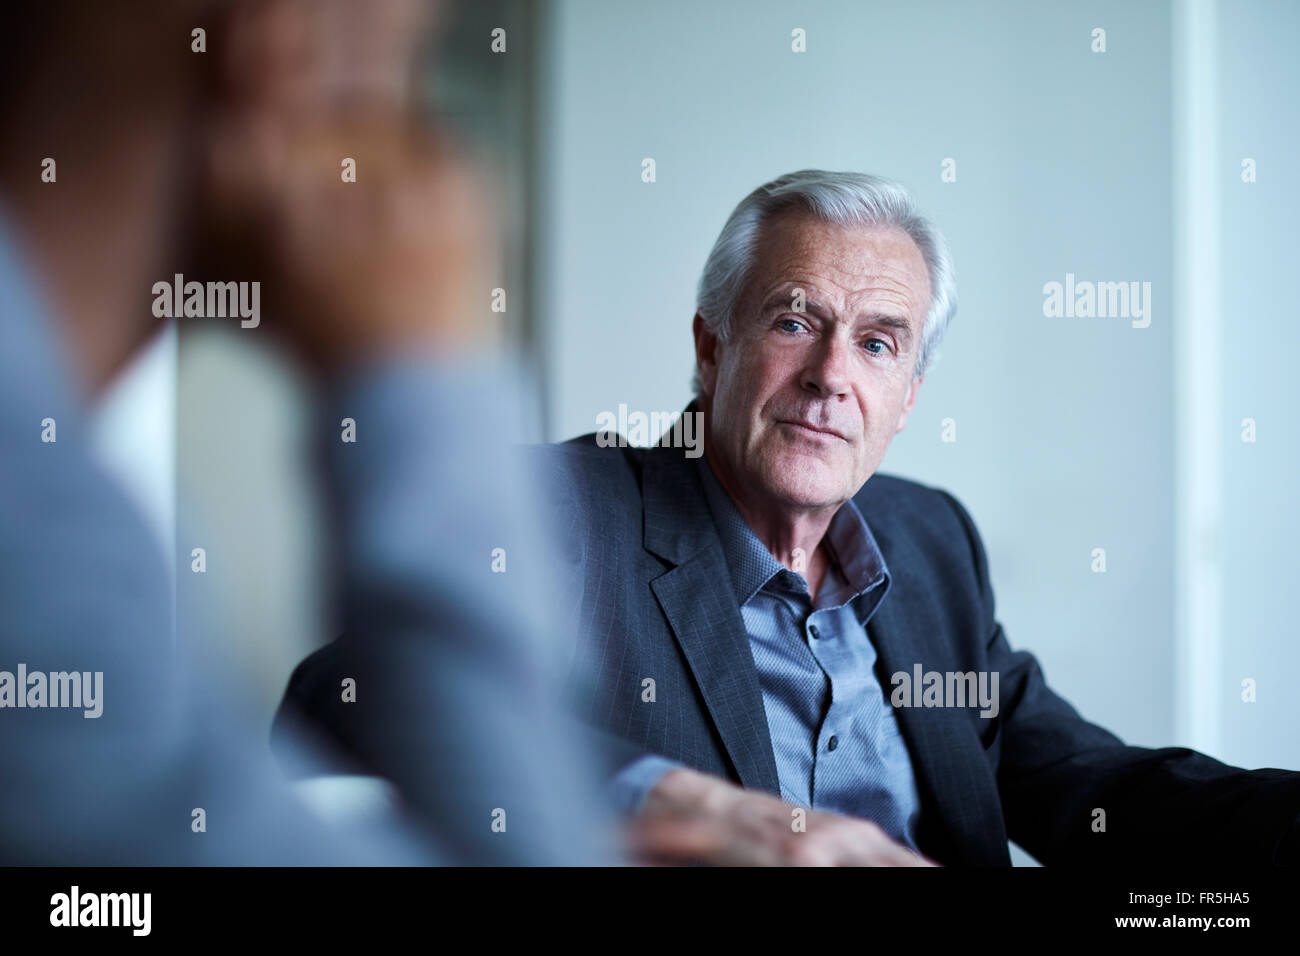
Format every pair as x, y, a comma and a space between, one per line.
585, 461
590, 481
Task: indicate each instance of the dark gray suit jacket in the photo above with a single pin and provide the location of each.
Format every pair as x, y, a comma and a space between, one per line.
650, 584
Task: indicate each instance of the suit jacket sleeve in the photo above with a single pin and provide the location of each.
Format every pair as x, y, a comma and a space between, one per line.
1172, 804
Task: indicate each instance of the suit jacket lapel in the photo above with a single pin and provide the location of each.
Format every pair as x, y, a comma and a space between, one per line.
696, 599
961, 816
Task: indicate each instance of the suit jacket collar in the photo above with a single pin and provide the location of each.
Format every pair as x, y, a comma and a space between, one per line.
677, 520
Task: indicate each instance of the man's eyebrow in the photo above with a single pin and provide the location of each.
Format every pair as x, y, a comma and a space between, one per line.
783, 299
889, 321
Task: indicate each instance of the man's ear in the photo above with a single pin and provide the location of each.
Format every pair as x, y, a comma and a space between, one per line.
912, 389
706, 354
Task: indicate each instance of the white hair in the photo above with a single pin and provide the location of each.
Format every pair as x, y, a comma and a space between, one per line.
844, 199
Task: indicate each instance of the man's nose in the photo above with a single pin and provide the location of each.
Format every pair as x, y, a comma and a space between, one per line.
827, 371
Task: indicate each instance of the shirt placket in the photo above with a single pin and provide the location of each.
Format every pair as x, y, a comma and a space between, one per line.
824, 634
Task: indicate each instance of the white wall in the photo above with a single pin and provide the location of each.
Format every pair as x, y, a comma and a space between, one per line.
133, 426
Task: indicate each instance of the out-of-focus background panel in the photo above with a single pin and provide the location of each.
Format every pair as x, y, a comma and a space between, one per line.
1260, 121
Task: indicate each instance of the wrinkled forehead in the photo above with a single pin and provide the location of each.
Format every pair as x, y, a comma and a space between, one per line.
844, 263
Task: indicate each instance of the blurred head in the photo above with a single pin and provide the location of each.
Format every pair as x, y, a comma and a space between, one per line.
135, 111
820, 309
93, 103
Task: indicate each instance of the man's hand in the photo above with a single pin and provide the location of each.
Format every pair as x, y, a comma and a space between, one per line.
372, 234
693, 817
396, 260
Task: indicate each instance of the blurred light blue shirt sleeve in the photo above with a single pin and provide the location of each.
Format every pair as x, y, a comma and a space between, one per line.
85, 590
447, 576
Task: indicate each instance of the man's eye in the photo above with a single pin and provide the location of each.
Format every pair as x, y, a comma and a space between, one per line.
789, 325
884, 346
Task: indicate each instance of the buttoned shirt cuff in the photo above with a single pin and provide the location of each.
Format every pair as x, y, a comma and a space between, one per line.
628, 790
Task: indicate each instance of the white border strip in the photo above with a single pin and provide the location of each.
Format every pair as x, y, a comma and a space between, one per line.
1198, 382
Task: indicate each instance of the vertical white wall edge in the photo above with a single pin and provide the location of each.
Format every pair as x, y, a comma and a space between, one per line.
1198, 381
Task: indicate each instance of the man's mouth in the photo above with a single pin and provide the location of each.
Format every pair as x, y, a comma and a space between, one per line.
824, 434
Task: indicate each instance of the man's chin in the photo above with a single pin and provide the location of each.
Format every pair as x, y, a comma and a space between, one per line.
803, 486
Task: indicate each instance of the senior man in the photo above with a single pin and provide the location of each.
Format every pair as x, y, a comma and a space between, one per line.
750, 623
745, 614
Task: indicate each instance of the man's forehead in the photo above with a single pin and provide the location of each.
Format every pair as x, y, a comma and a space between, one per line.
853, 260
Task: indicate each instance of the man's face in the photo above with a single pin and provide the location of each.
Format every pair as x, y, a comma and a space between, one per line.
803, 405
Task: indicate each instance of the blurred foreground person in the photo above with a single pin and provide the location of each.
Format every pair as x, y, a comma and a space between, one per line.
372, 289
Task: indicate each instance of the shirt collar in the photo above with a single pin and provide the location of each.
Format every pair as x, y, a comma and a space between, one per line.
853, 547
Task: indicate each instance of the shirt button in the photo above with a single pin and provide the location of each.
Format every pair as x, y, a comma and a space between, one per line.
814, 632
833, 742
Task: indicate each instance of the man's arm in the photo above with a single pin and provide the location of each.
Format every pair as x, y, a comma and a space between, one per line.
455, 664
1168, 805
86, 593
